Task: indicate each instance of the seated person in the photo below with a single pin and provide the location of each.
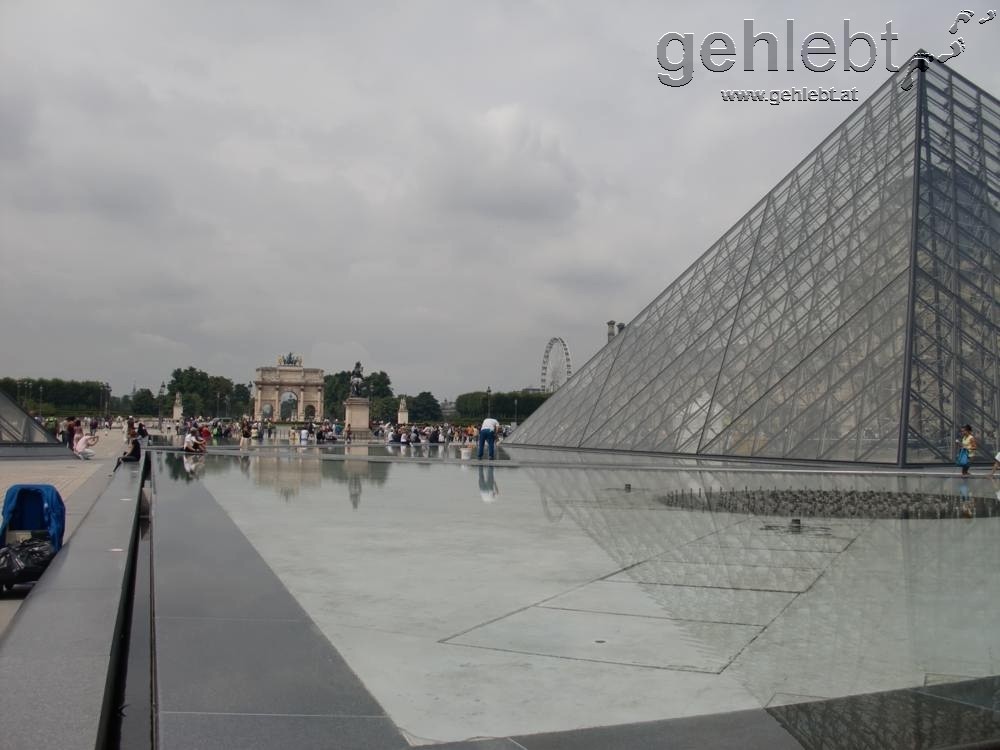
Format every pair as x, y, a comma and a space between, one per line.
131, 454
193, 443
82, 445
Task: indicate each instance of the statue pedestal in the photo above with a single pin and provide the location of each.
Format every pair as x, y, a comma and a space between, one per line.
357, 415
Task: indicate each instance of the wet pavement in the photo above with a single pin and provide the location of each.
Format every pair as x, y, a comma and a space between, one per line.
527, 597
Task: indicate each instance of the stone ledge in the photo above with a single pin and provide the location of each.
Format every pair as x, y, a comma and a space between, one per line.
58, 654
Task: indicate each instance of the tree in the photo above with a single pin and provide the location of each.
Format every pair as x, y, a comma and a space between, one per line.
64, 396
384, 409
194, 404
121, 404
203, 394
424, 408
240, 401
144, 402
473, 405
378, 385
218, 388
336, 389
190, 380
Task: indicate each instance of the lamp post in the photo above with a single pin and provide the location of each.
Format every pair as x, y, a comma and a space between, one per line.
39, 398
159, 405
217, 397
515, 411
488, 394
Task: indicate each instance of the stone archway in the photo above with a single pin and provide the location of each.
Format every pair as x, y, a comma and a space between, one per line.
305, 384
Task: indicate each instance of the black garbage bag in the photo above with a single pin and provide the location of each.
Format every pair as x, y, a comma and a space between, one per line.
36, 555
11, 566
25, 561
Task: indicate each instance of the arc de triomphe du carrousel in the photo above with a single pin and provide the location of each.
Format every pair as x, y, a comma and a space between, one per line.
289, 377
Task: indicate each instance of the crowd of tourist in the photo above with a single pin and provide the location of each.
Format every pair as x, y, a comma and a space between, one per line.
415, 434
81, 434
198, 434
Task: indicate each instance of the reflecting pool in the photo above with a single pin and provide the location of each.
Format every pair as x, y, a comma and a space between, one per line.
479, 600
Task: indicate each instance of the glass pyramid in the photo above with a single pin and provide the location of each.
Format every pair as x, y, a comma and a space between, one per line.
851, 315
18, 428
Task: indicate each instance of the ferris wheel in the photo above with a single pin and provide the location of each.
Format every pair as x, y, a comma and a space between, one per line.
556, 364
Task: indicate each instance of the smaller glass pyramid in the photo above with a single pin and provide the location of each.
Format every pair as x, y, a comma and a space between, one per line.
18, 428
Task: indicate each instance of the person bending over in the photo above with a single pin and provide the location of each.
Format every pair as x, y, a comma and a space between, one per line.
488, 434
83, 444
193, 443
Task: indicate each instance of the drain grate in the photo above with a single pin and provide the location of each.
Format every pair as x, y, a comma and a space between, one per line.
795, 526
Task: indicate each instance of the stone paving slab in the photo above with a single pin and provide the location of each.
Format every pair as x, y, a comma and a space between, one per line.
736, 606
62, 642
79, 484
620, 639
244, 667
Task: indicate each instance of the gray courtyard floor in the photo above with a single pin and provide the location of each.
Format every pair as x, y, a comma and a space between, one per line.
79, 484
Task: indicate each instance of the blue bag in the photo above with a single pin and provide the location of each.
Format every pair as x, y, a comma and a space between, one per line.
963, 457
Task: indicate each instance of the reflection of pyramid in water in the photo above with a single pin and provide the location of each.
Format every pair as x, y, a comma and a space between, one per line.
851, 315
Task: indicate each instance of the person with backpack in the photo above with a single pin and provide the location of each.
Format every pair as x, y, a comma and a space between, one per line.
967, 449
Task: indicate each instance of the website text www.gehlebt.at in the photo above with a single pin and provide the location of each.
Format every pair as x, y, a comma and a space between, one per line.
800, 94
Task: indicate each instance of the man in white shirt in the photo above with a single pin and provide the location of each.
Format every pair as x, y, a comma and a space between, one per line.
192, 443
488, 434
83, 444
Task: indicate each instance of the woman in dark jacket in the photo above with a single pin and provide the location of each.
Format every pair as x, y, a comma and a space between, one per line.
131, 454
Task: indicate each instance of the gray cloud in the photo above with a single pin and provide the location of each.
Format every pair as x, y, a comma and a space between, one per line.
94, 189
433, 188
503, 166
17, 122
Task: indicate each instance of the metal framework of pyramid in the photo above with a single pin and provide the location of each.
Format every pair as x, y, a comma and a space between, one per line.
22, 437
18, 427
851, 315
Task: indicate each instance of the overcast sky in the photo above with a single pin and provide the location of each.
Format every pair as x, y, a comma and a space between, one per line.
433, 188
